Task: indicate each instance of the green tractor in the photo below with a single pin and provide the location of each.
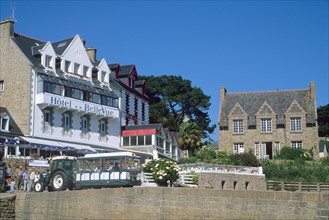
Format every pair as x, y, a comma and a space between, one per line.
61, 175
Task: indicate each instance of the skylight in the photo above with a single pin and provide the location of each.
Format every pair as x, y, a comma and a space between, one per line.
61, 45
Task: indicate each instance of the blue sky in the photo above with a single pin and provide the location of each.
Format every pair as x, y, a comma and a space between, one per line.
242, 45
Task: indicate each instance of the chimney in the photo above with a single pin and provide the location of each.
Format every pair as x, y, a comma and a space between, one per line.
91, 53
7, 28
313, 95
83, 42
222, 93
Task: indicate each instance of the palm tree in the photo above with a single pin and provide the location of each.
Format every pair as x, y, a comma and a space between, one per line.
190, 136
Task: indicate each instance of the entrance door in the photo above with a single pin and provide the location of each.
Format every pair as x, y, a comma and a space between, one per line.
269, 149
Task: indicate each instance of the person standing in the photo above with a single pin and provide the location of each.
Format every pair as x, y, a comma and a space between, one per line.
19, 178
30, 182
26, 179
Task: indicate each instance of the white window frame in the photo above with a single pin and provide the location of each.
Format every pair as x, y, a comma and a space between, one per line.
85, 71
76, 68
84, 127
295, 124
66, 123
47, 121
296, 144
237, 126
257, 150
277, 147
2, 85
102, 128
48, 61
266, 125
4, 123
238, 148
67, 67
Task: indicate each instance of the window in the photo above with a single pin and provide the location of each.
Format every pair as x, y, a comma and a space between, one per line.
2, 85
87, 96
295, 124
66, 123
4, 123
277, 148
237, 126
296, 144
103, 128
67, 66
266, 125
48, 61
47, 121
85, 71
238, 148
84, 126
52, 88
257, 150
76, 93
76, 68
103, 76
96, 98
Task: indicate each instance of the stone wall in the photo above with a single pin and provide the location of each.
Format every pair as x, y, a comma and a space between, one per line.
172, 203
7, 206
231, 181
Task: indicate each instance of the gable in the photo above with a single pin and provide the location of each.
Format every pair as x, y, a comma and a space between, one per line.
237, 111
295, 108
76, 52
265, 109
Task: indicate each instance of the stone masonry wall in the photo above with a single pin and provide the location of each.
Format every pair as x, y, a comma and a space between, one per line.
172, 203
15, 70
7, 206
231, 181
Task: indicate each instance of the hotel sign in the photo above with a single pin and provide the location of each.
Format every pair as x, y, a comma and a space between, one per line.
77, 105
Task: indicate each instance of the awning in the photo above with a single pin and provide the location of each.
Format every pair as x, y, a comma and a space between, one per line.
41, 141
77, 146
59, 144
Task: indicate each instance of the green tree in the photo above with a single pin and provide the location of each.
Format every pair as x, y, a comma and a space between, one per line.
323, 120
190, 137
174, 100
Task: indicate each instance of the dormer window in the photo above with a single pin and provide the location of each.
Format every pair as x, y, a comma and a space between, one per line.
4, 122
76, 68
67, 66
85, 71
103, 76
48, 61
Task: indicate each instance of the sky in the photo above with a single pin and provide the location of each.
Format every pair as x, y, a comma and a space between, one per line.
244, 46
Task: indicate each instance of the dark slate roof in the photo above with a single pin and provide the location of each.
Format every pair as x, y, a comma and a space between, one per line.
142, 127
139, 82
279, 101
25, 44
60, 46
113, 66
96, 63
125, 70
35, 49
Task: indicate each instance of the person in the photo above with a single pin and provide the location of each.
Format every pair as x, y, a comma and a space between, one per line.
8, 171
30, 182
12, 186
116, 167
26, 179
19, 178
36, 178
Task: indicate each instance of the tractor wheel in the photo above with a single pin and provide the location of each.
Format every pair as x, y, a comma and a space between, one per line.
38, 187
59, 181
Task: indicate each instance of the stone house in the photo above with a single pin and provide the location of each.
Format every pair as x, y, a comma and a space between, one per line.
264, 122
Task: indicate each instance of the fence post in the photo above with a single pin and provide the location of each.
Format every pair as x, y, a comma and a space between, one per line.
299, 186
318, 187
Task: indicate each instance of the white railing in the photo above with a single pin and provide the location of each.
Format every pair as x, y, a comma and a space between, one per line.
147, 179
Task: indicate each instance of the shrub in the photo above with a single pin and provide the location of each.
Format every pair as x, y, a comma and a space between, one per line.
164, 171
222, 157
206, 154
245, 159
187, 160
288, 153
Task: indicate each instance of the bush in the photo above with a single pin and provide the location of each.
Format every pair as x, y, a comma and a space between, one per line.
288, 153
222, 157
187, 160
164, 171
206, 154
245, 159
